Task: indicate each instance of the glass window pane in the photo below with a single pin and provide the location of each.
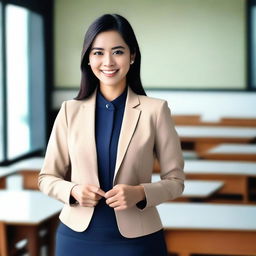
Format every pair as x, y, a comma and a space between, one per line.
1, 90
36, 82
17, 80
253, 45
25, 81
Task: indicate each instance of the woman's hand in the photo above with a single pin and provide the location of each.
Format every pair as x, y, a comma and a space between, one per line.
87, 195
124, 196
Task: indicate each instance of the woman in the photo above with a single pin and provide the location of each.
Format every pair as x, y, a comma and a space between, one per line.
100, 154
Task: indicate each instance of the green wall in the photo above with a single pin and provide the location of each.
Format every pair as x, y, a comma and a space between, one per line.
184, 43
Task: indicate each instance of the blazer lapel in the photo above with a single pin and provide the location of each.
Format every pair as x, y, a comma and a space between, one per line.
88, 137
130, 120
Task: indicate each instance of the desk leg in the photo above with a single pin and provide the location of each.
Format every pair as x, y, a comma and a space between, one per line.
33, 241
3, 240
3, 183
52, 232
246, 195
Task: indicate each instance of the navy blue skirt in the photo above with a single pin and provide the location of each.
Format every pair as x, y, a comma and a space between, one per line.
107, 242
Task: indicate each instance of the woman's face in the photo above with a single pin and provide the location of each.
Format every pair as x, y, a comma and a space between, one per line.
110, 59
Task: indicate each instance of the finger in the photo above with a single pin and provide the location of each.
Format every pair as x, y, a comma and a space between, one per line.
96, 190
120, 208
97, 197
111, 200
111, 193
114, 204
89, 203
100, 192
92, 196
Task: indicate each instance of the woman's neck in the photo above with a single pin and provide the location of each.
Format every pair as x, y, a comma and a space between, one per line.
112, 92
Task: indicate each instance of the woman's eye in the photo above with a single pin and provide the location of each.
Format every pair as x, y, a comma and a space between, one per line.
118, 52
97, 53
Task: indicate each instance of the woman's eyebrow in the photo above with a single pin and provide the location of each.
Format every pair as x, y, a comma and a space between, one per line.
113, 48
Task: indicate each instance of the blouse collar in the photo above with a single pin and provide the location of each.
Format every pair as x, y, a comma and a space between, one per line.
117, 103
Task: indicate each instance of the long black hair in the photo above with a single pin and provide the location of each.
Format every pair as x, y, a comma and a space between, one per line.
108, 22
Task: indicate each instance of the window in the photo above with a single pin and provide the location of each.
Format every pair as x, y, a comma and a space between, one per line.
1, 90
25, 84
17, 81
253, 44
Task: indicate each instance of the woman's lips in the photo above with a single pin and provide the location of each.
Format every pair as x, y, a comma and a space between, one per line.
109, 73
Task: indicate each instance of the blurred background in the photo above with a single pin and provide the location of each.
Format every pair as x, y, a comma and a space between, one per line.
199, 55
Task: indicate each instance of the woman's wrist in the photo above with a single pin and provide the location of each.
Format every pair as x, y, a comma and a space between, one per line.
141, 192
72, 192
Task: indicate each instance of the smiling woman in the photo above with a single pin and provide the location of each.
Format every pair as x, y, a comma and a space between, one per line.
108, 138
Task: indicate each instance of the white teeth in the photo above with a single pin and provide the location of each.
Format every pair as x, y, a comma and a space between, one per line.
109, 72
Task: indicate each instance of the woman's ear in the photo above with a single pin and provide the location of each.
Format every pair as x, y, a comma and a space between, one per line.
132, 58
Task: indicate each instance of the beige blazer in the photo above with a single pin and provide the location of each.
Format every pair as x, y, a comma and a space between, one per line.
147, 131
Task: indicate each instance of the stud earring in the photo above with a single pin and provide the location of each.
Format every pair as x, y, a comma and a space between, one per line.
131, 62
89, 64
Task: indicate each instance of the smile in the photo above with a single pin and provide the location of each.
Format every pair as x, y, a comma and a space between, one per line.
109, 72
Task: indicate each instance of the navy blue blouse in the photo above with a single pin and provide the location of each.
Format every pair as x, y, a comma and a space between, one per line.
108, 122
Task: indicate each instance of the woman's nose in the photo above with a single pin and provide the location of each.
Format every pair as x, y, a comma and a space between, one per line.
108, 60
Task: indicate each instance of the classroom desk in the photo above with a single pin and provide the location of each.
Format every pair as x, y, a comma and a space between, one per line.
232, 152
197, 188
25, 168
205, 137
196, 228
25, 213
235, 175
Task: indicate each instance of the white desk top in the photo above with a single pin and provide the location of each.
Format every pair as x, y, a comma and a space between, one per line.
215, 132
6, 170
220, 167
196, 188
27, 207
207, 216
29, 164
234, 149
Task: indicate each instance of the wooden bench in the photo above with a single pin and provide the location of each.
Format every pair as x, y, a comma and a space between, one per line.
236, 121
197, 189
232, 152
197, 228
186, 119
235, 175
225, 121
204, 138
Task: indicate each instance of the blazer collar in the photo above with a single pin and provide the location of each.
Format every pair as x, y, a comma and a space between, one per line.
132, 99
129, 123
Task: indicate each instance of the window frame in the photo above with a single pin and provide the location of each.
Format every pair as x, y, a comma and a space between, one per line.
45, 9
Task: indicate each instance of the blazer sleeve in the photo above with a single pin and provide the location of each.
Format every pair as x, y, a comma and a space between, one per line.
169, 154
56, 166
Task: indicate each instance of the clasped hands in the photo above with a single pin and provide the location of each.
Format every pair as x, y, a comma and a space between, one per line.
120, 197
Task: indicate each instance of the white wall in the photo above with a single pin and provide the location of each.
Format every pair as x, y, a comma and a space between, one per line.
184, 43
